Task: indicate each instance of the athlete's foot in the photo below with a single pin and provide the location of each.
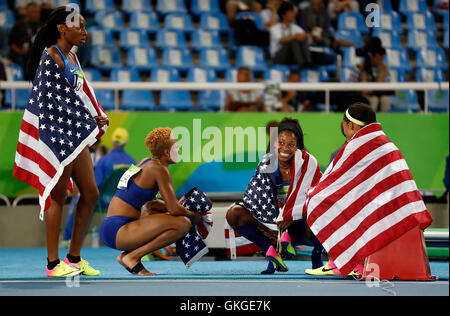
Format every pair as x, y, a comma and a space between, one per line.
133, 266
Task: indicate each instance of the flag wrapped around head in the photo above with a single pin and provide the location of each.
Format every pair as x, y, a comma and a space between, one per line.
192, 246
57, 125
366, 198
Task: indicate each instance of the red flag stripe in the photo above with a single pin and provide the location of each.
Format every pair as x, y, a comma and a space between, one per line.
32, 155
287, 210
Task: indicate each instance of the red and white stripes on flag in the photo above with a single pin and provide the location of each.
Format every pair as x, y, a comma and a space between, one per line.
306, 171
238, 245
366, 198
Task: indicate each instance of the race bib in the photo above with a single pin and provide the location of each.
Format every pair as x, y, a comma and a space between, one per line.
123, 182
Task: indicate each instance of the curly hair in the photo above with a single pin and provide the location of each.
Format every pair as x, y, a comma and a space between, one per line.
159, 140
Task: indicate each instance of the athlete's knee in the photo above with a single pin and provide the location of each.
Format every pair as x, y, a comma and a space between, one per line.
90, 196
235, 216
183, 225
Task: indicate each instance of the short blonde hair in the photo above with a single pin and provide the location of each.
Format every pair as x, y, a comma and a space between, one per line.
159, 140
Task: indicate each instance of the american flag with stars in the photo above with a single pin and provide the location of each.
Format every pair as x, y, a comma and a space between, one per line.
57, 125
192, 246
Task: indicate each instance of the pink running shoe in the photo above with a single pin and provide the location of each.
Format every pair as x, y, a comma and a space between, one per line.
276, 259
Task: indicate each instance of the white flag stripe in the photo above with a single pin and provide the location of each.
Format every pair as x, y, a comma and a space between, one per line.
378, 228
350, 174
297, 212
30, 165
357, 192
38, 146
30, 118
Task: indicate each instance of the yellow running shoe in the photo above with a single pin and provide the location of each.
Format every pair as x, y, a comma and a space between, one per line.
328, 269
84, 267
63, 270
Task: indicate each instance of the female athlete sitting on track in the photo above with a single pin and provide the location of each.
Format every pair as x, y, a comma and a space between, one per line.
277, 196
166, 221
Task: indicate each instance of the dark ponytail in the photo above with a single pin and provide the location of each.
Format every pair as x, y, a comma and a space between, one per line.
47, 36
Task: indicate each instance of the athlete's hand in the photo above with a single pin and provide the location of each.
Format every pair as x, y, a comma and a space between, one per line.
101, 121
284, 224
196, 219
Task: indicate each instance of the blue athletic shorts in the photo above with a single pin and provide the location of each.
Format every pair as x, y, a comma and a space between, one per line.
109, 228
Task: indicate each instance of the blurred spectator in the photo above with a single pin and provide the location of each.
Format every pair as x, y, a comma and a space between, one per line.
297, 101
235, 6
314, 18
2, 78
373, 69
289, 42
22, 34
4, 47
269, 14
244, 101
335, 7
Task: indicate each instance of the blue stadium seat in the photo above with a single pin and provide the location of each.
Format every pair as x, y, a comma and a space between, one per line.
133, 100
178, 21
431, 58
216, 59
386, 6
353, 36
421, 39
170, 6
104, 97
430, 75
205, 39
133, 38
389, 39
420, 21
438, 100
144, 20
93, 6
314, 75
397, 75
255, 17
446, 39
208, 100
252, 57
346, 73
15, 73
352, 21
171, 100
105, 58
177, 58
214, 22
141, 58
204, 6
397, 59
349, 58
110, 19
170, 39
445, 18
100, 36
129, 6
390, 21
4, 5
405, 101
407, 6
6, 19
277, 73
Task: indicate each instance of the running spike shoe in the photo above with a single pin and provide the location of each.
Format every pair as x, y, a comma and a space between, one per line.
276, 259
287, 251
84, 267
328, 269
63, 270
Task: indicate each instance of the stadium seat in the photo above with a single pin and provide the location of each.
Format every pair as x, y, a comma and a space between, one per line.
438, 100
389, 39
60, 3
216, 59
208, 100
171, 100
177, 58
446, 39
349, 57
101, 36
314, 75
346, 73
352, 21
407, 6
170, 6
405, 101
205, 39
133, 100
6, 19
420, 21
353, 36
129, 6
144, 20
417, 40
204, 6
431, 58
170, 39
255, 17
277, 73
429, 75
391, 21
178, 21
386, 6
110, 19
133, 38
4, 5
397, 59
104, 97
141, 58
252, 57
93, 6
105, 58
214, 22
397, 75
15, 73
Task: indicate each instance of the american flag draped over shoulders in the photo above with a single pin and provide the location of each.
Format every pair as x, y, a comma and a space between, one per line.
366, 198
57, 125
192, 246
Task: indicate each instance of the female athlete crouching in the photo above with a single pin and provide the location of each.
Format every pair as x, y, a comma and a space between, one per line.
124, 228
